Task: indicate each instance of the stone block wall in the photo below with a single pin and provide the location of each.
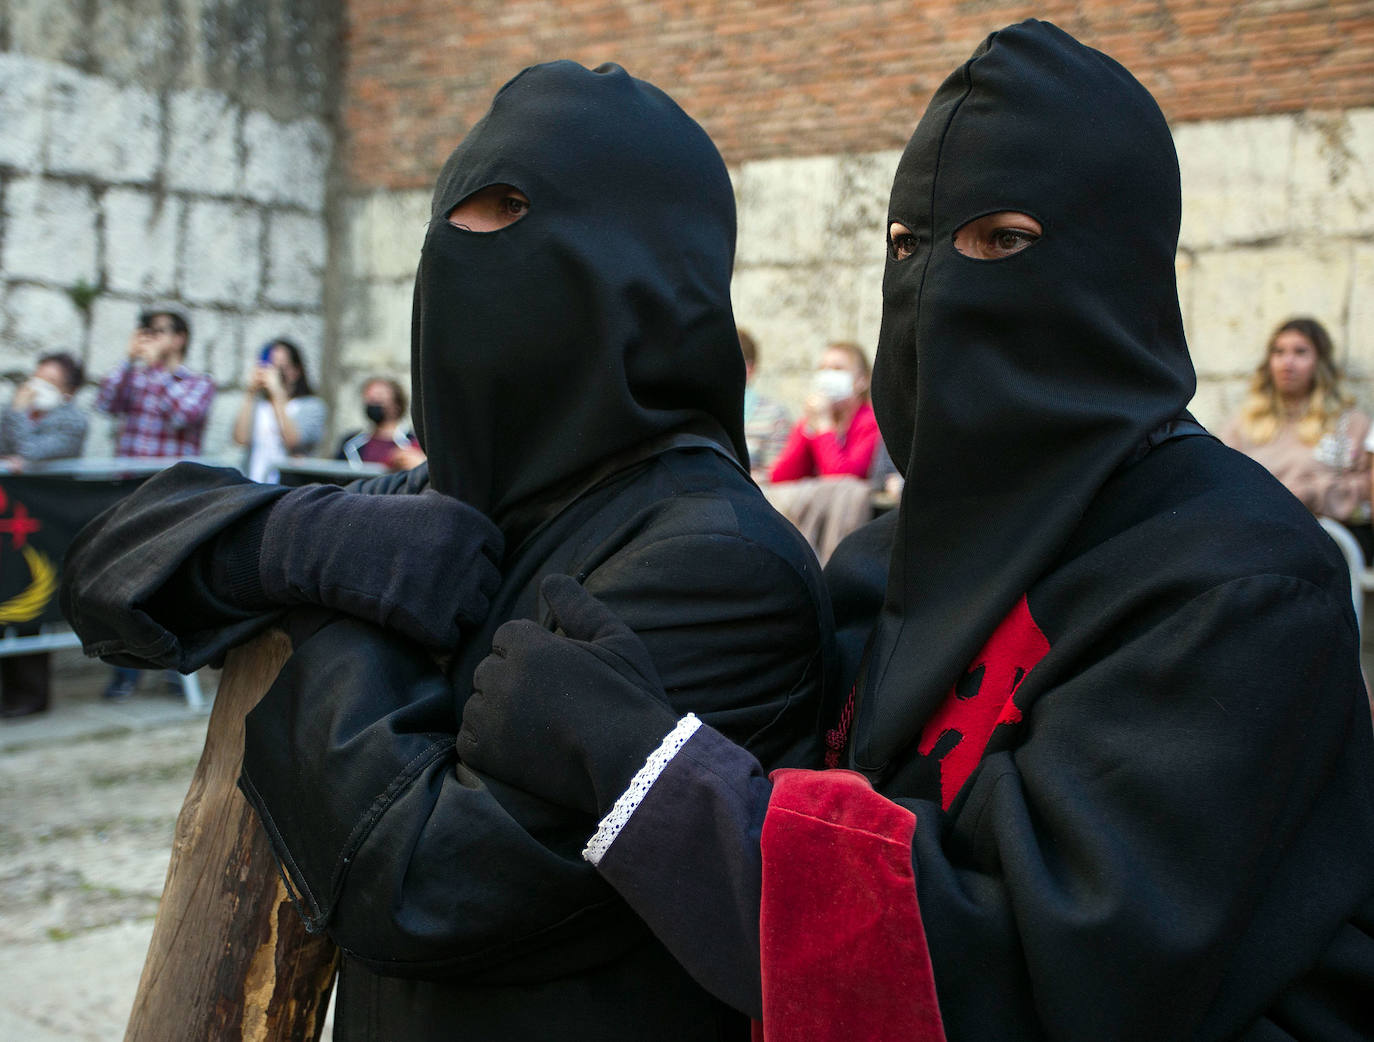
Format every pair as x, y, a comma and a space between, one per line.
212, 154
143, 164
1278, 220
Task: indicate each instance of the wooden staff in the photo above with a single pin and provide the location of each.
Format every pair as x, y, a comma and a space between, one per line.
230, 958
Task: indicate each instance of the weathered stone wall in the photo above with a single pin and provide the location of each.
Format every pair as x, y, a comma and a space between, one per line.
1278, 220
165, 153
185, 151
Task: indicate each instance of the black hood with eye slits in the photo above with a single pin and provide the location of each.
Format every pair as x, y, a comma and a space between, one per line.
1009, 390
600, 320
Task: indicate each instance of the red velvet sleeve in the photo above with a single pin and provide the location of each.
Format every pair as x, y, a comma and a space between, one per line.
842, 945
855, 455
795, 462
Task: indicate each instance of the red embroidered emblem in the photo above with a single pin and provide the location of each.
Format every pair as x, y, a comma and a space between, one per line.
982, 699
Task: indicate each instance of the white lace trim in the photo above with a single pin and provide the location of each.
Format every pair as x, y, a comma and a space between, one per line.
640, 784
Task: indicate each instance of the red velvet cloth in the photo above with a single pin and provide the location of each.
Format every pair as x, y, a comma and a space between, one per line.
843, 950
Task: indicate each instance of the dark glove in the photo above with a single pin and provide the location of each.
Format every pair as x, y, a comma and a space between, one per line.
422, 565
570, 718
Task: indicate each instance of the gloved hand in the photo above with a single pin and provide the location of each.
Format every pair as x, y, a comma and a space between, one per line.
423, 565
569, 718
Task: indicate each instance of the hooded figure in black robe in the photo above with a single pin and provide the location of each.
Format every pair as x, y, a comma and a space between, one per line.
1111, 773
578, 380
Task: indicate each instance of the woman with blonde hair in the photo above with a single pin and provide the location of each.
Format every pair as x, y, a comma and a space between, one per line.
1301, 426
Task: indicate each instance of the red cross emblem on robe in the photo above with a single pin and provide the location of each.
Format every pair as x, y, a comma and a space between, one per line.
982, 699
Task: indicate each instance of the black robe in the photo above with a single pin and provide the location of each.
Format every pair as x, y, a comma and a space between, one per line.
578, 379
461, 905
1162, 824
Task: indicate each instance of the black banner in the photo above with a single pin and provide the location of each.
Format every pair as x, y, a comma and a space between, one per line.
39, 517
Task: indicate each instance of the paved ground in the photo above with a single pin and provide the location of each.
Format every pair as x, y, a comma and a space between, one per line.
89, 794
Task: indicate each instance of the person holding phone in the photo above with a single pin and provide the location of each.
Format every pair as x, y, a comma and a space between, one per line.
161, 405
280, 415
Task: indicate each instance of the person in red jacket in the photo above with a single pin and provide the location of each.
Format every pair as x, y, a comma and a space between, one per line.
837, 433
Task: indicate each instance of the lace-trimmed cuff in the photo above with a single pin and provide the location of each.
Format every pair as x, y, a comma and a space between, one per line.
640, 784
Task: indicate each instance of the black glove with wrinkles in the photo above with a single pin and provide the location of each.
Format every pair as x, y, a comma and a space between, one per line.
423, 565
569, 718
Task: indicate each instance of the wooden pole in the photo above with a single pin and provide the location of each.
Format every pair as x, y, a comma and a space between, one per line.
230, 958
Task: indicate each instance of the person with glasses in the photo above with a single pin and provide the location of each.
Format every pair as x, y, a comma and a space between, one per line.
161, 404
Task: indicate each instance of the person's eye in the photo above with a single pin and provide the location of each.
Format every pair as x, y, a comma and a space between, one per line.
1005, 241
515, 205
902, 245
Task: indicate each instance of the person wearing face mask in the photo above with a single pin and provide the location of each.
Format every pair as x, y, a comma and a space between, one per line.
820, 479
578, 381
384, 441
281, 416
1108, 762
837, 433
41, 423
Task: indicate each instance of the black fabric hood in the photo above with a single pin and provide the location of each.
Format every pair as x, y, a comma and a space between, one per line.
599, 321
1008, 390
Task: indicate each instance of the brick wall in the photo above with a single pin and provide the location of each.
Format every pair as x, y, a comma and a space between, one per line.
774, 78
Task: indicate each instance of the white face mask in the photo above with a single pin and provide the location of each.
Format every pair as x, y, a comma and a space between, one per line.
834, 385
46, 397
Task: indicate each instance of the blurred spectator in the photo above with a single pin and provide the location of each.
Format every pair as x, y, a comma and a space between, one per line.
884, 476
281, 415
1299, 424
384, 403
766, 422
41, 423
837, 433
163, 404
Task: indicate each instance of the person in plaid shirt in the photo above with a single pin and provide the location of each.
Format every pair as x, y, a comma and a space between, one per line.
163, 403
164, 406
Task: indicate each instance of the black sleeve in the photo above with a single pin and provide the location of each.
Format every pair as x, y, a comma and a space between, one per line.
688, 861
167, 576
417, 866
138, 584
401, 482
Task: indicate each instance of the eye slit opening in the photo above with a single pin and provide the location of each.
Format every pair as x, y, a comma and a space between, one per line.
490, 209
901, 241
995, 236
